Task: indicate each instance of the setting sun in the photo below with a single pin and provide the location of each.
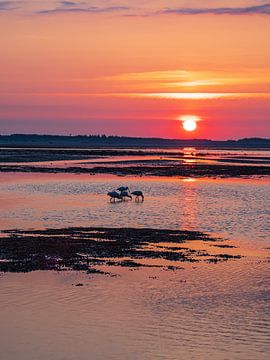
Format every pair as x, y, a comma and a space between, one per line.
189, 122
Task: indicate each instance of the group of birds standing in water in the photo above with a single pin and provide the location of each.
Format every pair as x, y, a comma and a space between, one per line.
123, 192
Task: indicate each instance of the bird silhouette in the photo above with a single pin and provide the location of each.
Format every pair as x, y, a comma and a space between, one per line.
138, 194
114, 195
123, 188
125, 194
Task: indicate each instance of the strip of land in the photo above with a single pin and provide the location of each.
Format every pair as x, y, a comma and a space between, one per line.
85, 141
133, 162
39, 155
166, 170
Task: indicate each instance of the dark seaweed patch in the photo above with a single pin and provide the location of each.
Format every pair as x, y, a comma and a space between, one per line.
82, 249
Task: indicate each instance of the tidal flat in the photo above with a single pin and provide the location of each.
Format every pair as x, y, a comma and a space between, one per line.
187, 162
184, 274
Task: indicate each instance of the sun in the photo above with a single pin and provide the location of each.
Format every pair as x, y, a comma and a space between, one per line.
189, 125
189, 122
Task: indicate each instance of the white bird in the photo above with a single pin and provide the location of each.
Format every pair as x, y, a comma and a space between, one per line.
123, 188
125, 194
114, 195
138, 194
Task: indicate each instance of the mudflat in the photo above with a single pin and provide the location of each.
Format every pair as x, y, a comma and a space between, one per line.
124, 162
83, 248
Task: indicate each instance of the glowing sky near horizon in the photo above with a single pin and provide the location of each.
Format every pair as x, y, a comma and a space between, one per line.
134, 67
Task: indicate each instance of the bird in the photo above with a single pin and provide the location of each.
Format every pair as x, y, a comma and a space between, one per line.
138, 194
125, 194
114, 195
123, 188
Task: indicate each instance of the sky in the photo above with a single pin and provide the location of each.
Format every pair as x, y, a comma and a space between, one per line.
126, 67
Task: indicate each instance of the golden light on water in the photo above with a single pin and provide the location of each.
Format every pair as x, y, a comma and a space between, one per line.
189, 122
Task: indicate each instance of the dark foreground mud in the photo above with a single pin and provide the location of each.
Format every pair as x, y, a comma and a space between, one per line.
88, 249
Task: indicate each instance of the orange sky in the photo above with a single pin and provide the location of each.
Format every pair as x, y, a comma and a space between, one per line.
116, 68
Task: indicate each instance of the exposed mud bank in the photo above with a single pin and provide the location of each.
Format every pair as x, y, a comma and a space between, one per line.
84, 249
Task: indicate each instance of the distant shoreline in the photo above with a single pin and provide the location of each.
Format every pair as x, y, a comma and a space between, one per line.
103, 141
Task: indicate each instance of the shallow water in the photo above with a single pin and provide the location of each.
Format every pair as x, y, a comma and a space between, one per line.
206, 311
218, 312
212, 205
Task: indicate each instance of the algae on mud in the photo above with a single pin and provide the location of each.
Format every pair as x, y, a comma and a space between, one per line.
81, 249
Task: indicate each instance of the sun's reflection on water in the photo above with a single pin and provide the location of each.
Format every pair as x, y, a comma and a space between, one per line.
187, 205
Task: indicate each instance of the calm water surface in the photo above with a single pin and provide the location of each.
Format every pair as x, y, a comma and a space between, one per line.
237, 208
206, 311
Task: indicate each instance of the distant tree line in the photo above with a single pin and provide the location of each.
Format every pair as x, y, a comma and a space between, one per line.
79, 141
